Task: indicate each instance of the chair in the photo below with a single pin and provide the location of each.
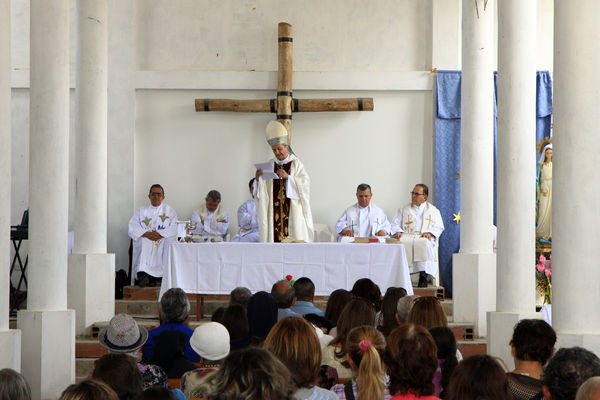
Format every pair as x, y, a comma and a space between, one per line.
322, 233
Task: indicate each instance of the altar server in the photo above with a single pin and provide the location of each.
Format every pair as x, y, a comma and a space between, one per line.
419, 225
152, 228
210, 218
363, 218
247, 220
283, 204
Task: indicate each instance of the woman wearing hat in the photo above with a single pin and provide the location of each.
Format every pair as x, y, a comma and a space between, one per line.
124, 336
283, 205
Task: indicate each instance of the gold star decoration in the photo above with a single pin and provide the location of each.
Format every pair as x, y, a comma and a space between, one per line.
457, 174
147, 221
456, 218
163, 217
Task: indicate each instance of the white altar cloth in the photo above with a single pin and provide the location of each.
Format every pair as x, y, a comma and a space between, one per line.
217, 268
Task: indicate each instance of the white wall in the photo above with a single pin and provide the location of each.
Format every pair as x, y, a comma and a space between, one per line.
191, 153
164, 53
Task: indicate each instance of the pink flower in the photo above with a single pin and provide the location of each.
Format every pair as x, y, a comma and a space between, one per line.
548, 272
540, 267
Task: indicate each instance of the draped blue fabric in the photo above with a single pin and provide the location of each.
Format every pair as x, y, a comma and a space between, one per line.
447, 156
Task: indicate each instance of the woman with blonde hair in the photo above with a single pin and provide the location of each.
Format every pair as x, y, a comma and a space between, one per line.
90, 389
365, 347
427, 311
295, 343
357, 312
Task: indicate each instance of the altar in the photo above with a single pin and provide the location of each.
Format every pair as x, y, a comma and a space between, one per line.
217, 268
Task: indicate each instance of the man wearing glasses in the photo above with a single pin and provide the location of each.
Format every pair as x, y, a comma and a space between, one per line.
151, 228
418, 225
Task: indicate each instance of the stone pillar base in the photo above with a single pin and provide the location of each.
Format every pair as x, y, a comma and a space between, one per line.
10, 348
48, 351
500, 326
91, 289
474, 288
588, 340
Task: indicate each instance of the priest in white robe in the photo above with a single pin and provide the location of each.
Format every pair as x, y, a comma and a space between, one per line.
419, 225
363, 219
247, 219
283, 204
153, 227
211, 220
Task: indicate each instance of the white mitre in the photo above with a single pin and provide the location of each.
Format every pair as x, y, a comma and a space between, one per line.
276, 133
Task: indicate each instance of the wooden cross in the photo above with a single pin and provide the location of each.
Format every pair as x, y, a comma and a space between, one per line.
284, 105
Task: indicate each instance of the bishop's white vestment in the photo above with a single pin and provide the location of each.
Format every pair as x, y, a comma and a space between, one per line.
149, 255
413, 221
297, 190
363, 221
210, 223
248, 222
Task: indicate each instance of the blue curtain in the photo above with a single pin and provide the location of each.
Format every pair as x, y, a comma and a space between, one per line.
447, 156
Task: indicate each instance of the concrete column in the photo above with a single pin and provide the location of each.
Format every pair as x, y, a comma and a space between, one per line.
91, 121
10, 340
121, 126
474, 268
91, 270
575, 272
515, 285
48, 360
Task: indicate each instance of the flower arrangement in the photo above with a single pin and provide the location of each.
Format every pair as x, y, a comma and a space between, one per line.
543, 276
290, 279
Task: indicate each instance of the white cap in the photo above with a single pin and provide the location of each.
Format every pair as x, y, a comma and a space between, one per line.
211, 341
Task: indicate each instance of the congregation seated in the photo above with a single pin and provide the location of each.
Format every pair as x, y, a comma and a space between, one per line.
235, 320
247, 220
478, 377
322, 328
211, 342
365, 347
446, 353
158, 393
252, 374
285, 296
389, 304
173, 314
294, 342
410, 348
210, 218
532, 345
335, 304
217, 315
404, 306
566, 371
589, 390
89, 389
13, 385
121, 373
305, 295
419, 225
356, 313
368, 290
363, 219
427, 311
262, 315
123, 336
240, 295
153, 227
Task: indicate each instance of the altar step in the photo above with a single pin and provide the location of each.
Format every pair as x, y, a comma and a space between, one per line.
151, 293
